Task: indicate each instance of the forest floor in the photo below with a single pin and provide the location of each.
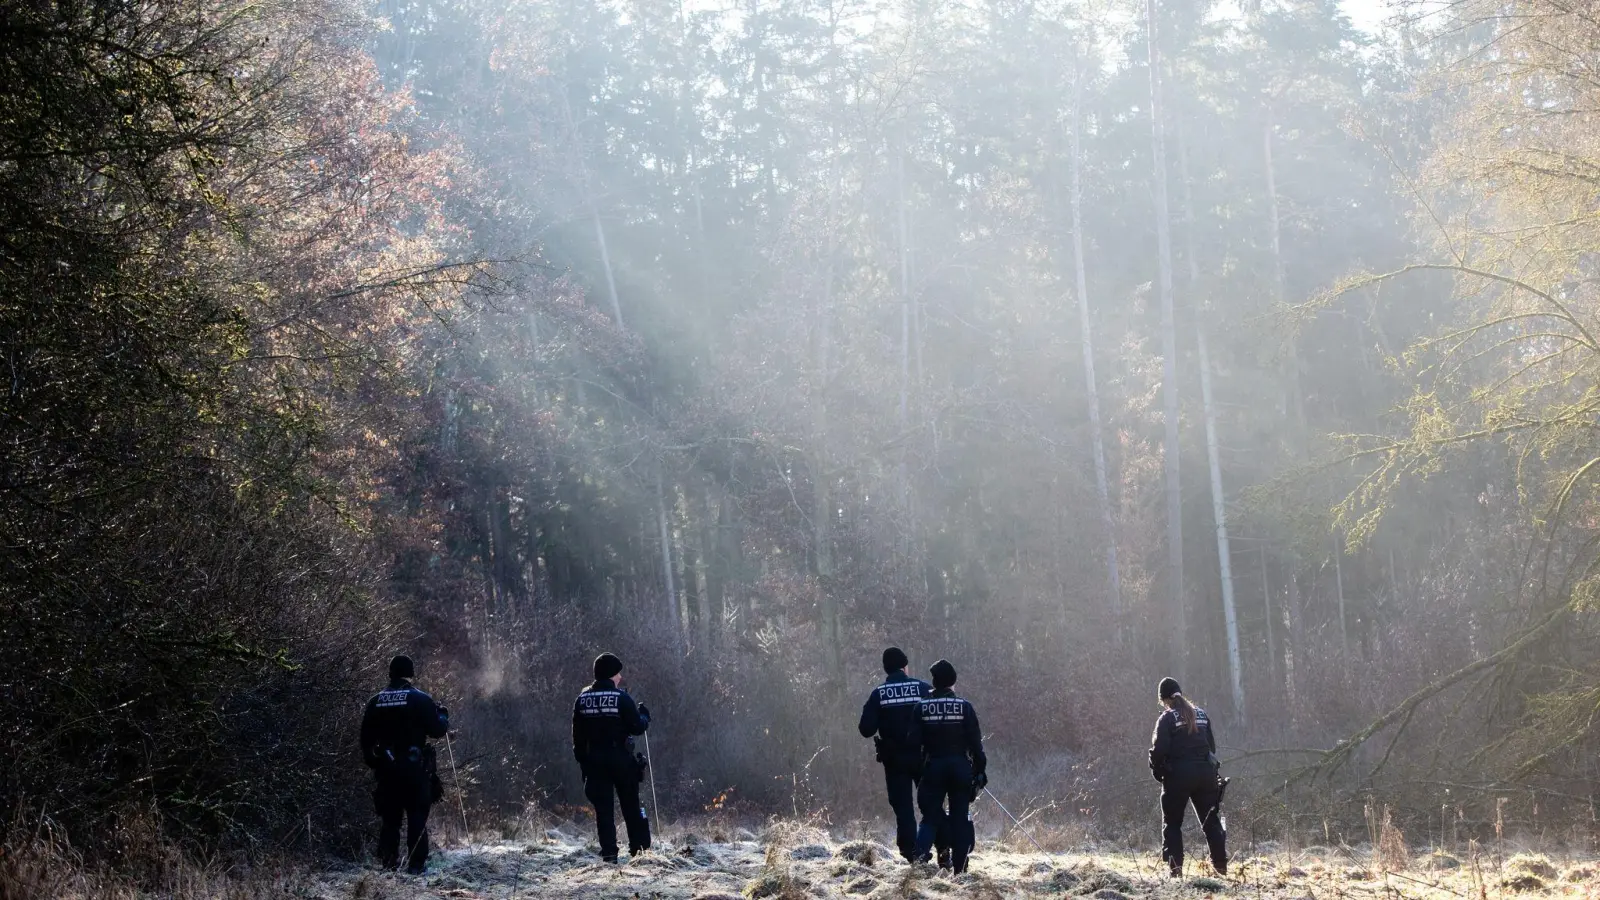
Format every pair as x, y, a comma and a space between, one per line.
799, 863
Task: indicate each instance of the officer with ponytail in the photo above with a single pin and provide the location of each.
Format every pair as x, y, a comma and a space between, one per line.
1183, 757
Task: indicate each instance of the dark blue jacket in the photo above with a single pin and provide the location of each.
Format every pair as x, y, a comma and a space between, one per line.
398, 719
604, 720
1174, 746
950, 728
891, 713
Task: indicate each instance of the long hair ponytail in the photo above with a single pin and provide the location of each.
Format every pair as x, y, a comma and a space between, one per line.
1191, 722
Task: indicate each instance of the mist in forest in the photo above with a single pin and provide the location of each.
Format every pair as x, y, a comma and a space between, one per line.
1077, 343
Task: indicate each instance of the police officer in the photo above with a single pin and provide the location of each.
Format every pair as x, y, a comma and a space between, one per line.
954, 766
394, 743
604, 722
1183, 758
890, 718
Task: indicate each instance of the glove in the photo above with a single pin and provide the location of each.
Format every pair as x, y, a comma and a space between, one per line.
979, 782
644, 711
444, 711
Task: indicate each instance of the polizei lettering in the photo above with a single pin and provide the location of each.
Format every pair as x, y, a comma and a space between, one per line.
599, 703
896, 694
944, 710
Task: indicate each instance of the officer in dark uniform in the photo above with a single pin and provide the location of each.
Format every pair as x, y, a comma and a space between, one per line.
954, 766
891, 718
604, 722
1183, 758
394, 743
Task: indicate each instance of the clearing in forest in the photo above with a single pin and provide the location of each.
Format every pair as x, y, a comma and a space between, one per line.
794, 863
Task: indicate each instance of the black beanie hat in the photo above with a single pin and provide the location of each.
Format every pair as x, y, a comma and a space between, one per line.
401, 667
894, 659
1168, 687
944, 674
606, 665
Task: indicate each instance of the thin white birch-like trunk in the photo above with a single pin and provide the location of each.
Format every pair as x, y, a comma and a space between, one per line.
666, 556
1295, 408
822, 503
594, 210
1096, 438
908, 538
905, 297
1338, 585
1266, 605
1219, 512
1220, 517
1171, 450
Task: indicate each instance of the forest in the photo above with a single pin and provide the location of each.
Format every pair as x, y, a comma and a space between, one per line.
1079, 342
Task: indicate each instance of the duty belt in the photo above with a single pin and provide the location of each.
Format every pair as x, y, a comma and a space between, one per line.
405, 754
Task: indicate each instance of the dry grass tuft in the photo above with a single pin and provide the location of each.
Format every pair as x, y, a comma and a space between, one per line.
34, 864
1061, 881
1522, 883
1581, 873
865, 853
866, 884
773, 885
1439, 861
1537, 865
1093, 877
1391, 852
368, 887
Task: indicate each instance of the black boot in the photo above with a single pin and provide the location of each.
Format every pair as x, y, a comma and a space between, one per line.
1221, 867
944, 858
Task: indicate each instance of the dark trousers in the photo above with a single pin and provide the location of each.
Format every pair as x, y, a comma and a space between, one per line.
1181, 788
902, 786
946, 778
407, 794
619, 776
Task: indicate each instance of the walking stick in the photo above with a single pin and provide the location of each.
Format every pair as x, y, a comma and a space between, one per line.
461, 804
1014, 821
654, 803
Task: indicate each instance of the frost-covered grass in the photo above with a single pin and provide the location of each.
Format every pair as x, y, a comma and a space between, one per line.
796, 862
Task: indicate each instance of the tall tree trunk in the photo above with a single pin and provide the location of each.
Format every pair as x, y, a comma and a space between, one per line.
1292, 636
907, 502
665, 535
1177, 606
905, 301
822, 504
1295, 408
594, 208
1338, 586
1219, 515
711, 591
1266, 604
1096, 438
